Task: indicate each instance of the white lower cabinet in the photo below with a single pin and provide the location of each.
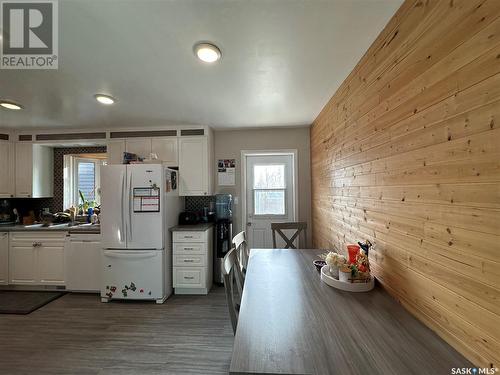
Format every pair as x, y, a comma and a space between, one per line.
22, 263
36, 258
193, 261
4, 258
83, 262
51, 264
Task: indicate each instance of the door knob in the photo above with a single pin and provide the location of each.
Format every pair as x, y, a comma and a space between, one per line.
249, 224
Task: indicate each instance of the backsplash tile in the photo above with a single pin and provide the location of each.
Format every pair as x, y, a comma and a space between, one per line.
59, 152
25, 205
198, 203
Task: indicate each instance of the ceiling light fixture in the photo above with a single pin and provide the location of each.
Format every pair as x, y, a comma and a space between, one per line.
104, 99
207, 52
11, 105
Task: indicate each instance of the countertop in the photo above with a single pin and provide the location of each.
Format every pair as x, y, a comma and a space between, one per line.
193, 227
54, 228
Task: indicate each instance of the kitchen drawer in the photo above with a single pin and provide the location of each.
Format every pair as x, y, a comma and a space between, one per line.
189, 277
186, 248
39, 236
191, 236
183, 260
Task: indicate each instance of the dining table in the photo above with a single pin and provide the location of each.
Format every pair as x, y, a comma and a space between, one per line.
291, 322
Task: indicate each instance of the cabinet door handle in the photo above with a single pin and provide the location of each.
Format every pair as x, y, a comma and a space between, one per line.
188, 248
188, 236
188, 260
189, 277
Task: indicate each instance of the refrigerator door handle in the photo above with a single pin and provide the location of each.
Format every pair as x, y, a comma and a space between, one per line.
122, 233
131, 207
130, 254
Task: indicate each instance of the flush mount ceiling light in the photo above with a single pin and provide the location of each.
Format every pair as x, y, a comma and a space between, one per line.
11, 105
207, 52
104, 99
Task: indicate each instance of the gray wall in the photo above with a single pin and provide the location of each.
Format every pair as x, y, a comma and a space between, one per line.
229, 143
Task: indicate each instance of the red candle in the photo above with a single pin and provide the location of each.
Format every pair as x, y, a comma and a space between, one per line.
353, 251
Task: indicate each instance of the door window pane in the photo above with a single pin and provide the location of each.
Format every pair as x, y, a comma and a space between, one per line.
269, 202
86, 180
269, 176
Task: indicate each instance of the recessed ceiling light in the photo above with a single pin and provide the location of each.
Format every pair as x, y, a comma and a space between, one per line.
207, 52
11, 105
104, 99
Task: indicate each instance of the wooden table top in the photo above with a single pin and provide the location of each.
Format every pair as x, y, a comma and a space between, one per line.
291, 322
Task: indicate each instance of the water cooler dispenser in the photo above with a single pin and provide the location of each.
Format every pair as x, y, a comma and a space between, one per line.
223, 232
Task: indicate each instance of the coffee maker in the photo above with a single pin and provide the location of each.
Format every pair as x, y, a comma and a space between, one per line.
223, 232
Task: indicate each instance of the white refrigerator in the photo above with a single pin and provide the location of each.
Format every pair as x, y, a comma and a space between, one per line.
137, 209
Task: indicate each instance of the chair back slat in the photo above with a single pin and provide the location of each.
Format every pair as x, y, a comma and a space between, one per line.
241, 246
300, 227
233, 285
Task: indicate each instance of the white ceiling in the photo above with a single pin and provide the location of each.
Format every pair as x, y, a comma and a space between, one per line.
282, 61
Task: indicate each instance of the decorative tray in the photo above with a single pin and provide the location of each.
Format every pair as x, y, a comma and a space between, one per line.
327, 278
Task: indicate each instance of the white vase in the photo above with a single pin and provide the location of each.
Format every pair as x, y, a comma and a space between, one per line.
334, 271
344, 276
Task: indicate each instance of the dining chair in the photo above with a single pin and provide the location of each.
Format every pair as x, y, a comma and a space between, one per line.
300, 226
233, 285
241, 246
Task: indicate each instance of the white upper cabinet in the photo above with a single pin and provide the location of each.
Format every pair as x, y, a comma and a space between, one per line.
24, 170
34, 170
7, 189
115, 149
166, 149
195, 164
139, 146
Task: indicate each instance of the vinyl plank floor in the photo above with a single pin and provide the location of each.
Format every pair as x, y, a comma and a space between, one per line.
77, 334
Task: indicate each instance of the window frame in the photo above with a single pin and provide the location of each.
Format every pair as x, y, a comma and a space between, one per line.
71, 196
283, 189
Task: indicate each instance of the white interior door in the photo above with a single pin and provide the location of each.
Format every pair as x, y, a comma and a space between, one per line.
270, 196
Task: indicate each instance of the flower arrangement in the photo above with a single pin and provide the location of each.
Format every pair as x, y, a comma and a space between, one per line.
355, 269
335, 260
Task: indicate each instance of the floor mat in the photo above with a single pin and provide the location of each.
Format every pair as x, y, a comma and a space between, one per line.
20, 302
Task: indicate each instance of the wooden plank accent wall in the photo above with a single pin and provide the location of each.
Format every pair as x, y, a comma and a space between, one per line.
407, 154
